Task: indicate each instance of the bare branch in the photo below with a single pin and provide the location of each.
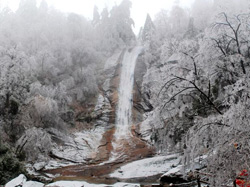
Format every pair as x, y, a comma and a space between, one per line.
209, 101
174, 79
176, 95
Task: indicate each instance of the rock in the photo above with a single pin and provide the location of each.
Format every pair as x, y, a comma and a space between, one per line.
174, 176
181, 175
39, 166
102, 111
80, 147
20, 180
57, 136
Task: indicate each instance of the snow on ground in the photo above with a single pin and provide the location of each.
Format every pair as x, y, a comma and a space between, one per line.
147, 167
85, 184
22, 181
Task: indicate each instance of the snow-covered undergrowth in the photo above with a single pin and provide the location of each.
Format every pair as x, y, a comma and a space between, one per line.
147, 167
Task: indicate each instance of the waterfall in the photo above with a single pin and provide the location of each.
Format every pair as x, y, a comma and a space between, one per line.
125, 94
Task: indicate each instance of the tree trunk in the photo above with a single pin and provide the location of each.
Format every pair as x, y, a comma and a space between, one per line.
243, 66
7, 101
198, 181
234, 183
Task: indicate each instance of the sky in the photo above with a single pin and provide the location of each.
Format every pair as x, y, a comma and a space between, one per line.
139, 10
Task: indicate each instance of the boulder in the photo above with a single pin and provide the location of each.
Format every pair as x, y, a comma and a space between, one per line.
21, 181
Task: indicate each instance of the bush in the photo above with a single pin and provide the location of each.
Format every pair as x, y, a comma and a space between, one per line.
10, 167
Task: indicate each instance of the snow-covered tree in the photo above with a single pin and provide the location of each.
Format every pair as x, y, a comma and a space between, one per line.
148, 30
96, 16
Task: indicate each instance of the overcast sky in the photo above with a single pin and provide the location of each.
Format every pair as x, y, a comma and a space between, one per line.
139, 10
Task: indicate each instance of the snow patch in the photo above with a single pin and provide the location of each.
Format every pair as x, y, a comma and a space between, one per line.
85, 184
147, 167
22, 181
174, 171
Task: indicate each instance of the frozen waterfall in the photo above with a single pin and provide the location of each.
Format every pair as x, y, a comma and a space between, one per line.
125, 93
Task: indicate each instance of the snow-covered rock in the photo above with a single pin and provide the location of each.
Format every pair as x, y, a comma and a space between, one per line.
81, 147
174, 171
33, 184
21, 180
147, 167
102, 111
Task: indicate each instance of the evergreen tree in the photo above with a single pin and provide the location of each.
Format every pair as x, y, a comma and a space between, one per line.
148, 30
96, 16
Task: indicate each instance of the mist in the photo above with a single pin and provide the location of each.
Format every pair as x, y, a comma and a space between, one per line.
132, 91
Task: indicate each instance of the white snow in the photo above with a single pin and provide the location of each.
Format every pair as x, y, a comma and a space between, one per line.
33, 184
174, 171
85, 184
53, 164
147, 167
174, 58
22, 180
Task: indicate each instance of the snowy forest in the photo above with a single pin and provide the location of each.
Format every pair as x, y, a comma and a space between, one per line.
190, 105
